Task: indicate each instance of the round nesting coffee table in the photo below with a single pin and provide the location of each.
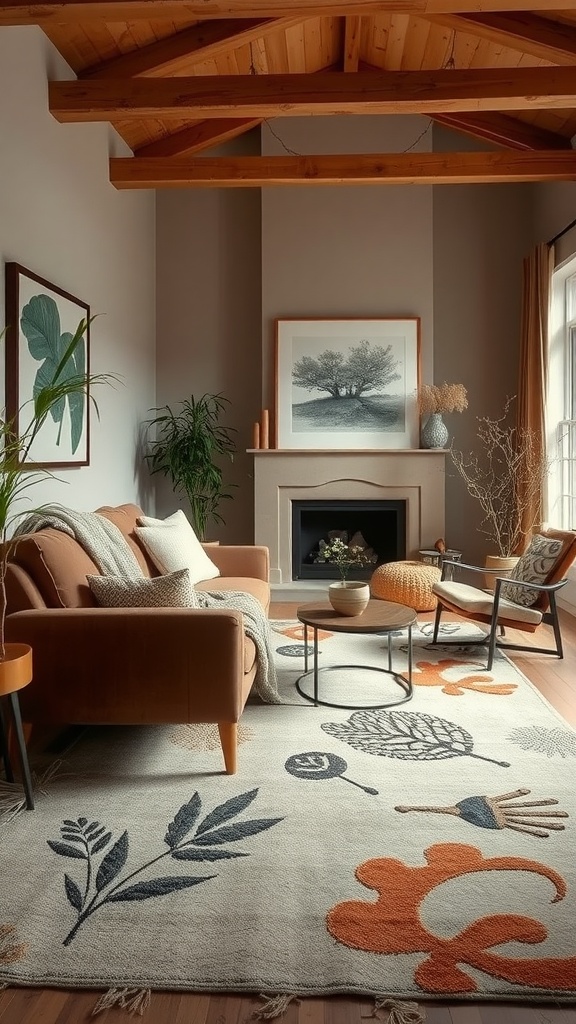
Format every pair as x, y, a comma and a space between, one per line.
378, 617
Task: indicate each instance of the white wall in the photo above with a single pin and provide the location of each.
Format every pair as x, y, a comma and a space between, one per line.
61, 219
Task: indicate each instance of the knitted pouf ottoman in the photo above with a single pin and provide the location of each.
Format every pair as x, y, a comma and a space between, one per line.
408, 583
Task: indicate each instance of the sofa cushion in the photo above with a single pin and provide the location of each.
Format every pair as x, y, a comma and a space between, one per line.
172, 545
59, 567
125, 518
171, 591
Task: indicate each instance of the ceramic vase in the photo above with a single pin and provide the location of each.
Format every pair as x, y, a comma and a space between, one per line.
349, 597
434, 433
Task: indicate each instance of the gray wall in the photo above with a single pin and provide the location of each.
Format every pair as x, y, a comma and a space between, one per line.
450, 255
208, 325
61, 219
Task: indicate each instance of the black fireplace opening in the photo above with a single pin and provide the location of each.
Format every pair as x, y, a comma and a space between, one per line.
376, 525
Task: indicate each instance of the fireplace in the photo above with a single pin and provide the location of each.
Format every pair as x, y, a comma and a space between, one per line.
413, 477
376, 525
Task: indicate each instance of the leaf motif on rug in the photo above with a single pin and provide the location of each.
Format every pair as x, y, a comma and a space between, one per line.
205, 736
317, 765
11, 951
295, 650
406, 735
504, 811
545, 741
393, 925
84, 840
430, 673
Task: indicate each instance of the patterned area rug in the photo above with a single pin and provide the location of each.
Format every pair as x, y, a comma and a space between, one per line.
421, 851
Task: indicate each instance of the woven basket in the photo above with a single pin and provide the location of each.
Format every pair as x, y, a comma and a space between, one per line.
408, 583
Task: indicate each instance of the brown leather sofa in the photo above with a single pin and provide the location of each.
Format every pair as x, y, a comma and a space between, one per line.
130, 665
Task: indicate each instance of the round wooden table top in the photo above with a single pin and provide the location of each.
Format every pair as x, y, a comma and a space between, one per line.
378, 617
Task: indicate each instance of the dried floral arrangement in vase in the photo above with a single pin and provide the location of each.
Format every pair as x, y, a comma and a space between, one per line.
433, 401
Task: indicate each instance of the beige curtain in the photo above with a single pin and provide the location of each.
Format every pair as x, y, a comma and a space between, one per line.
532, 378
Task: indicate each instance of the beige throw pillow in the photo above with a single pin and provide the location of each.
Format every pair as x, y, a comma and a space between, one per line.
172, 591
172, 545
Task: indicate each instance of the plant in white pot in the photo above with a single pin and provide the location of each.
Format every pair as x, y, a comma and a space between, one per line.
507, 476
347, 597
61, 383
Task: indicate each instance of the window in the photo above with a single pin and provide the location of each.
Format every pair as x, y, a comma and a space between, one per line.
561, 406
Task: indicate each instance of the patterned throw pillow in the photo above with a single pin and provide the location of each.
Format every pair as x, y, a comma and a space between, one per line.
172, 591
533, 567
172, 545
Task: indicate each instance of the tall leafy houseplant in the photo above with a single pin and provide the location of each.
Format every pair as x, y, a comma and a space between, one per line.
61, 381
186, 447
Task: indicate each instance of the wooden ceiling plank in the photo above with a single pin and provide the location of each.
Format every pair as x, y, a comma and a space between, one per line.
525, 31
204, 41
198, 137
22, 12
312, 94
352, 35
503, 131
380, 169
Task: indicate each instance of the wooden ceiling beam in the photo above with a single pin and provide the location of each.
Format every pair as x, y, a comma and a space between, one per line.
198, 137
204, 41
523, 31
503, 131
22, 12
352, 34
382, 169
261, 96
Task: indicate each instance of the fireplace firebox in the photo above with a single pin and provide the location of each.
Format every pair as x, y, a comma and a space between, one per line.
380, 524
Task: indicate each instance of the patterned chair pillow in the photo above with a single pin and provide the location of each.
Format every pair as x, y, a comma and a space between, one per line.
533, 567
171, 591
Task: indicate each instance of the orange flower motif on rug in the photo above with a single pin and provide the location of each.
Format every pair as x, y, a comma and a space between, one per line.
11, 951
297, 632
393, 923
429, 673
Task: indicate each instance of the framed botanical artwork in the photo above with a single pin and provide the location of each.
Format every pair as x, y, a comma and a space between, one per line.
347, 383
41, 321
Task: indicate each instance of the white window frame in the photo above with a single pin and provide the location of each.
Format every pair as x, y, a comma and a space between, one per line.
561, 411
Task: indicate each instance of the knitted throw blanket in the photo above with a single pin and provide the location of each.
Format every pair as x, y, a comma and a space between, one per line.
108, 548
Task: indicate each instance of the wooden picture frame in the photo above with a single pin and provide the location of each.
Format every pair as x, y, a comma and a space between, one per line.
41, 320
347, 383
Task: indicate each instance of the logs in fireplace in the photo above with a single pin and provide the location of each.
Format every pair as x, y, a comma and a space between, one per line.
378, 525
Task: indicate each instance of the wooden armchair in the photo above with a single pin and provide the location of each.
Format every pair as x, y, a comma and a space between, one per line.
498, 611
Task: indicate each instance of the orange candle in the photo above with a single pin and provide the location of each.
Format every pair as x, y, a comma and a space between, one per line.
265, 429
256, 435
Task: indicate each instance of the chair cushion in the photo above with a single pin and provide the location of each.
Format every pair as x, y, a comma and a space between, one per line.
171, 591
534, 566
470, 599
172, 545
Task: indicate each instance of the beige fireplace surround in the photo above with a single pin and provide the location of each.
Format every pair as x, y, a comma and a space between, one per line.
282, 476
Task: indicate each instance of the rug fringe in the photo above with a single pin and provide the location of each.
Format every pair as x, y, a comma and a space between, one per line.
135, 1000
274, 1006
400, 1011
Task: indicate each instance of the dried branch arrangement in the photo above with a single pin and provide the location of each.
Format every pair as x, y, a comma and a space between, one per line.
507, 478
442, 398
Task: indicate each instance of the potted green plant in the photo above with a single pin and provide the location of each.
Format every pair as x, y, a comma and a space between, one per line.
66, 385
186, 447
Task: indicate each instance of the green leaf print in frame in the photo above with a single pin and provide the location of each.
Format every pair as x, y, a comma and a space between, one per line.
41, 321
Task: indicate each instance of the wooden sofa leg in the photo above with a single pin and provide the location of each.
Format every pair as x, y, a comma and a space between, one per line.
229, 740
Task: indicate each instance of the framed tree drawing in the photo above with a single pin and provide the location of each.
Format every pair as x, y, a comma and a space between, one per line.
41, 320
347, 383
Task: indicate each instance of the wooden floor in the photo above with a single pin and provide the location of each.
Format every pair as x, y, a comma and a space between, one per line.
557, 681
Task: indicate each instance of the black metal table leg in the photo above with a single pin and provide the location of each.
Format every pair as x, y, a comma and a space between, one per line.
26, 778
4, 745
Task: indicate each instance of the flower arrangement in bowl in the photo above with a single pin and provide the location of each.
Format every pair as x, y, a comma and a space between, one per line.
433, 401
347, 597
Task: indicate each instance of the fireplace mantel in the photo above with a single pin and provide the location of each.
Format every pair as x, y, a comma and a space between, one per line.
414, 475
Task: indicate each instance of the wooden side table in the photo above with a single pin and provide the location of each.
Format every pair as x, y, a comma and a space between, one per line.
15, 674
378, 617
